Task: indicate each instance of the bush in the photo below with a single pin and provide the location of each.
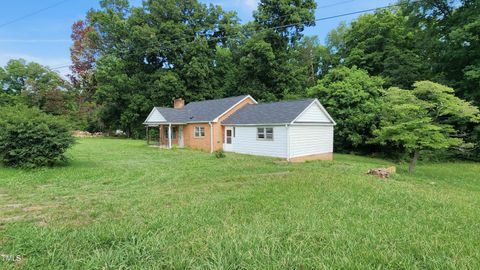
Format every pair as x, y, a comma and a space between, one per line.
30, 138
220, 154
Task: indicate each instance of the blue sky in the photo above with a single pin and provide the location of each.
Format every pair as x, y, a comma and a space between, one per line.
45, 37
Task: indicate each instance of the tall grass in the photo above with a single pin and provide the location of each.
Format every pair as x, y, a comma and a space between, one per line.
121, 204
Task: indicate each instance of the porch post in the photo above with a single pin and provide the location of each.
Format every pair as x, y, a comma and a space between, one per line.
169, 135
148, 136
159, 135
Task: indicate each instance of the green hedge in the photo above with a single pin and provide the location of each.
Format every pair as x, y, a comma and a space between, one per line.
30, 138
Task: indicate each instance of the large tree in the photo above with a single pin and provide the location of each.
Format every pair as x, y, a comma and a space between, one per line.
384, 45
352, 97
37, 85
152, 54
423, 119
268, 58
83, 54
450, 35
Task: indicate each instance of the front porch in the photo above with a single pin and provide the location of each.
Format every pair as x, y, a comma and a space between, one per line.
165, 136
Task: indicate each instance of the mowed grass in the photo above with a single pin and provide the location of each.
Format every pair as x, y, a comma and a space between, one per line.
123, 205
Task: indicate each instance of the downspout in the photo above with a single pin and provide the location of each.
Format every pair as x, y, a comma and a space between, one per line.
288, 142
211, 137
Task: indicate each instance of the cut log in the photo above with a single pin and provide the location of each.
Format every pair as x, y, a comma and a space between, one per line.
383, 173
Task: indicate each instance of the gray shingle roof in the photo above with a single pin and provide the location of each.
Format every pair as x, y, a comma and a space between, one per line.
269, 113
199, 111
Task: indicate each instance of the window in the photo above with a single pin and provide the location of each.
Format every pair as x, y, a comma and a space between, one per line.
265, 134
174, 132
228, 138
199, 132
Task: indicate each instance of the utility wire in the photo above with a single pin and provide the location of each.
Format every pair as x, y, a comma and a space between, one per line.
320, 7
282, 26
300, 23
33, 13
336, 4
295, 24
61, 67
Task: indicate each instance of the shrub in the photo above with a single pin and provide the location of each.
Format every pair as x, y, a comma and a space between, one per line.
31, 138
220, 154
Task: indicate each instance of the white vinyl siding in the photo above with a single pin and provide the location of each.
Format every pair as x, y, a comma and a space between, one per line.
155, 117
310, 140
246, 142
313, 114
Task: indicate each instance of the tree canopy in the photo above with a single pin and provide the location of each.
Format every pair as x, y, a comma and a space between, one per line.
127, 59
353, 98
36, 85
423, 118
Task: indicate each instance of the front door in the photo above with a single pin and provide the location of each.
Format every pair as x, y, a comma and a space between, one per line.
227, 144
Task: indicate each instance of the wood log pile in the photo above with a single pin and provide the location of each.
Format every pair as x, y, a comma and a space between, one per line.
383, 173
86, 134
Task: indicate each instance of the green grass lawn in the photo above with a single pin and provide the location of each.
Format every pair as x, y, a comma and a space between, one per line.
123, 205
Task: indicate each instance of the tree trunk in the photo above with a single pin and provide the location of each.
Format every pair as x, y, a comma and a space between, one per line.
413, 163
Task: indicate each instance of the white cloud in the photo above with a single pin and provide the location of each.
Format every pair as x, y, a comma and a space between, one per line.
251, 4
245, 5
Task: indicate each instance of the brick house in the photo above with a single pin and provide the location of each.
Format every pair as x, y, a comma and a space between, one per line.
296, 130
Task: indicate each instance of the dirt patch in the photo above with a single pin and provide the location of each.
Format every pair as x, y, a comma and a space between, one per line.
273, 174
10, 219
35, 208
281, 162
14, 205
42, 222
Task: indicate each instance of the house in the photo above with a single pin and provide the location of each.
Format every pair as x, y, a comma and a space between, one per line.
296, 130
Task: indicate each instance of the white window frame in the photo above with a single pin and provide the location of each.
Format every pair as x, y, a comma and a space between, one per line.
197, 132
264, 133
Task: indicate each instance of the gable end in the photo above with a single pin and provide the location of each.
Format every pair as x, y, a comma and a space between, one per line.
247, 100
155, 117
315, 113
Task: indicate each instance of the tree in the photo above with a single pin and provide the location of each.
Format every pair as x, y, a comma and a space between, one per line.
384, 45
152, 54
287, 19
449, 37
83, 54
37, 85
352, 97
422, 118
268, 58
9, 100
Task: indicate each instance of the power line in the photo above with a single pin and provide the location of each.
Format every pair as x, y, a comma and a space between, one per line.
60, 67
336, 4
301, 23
281, 26
33, 13
320, 7
341, 15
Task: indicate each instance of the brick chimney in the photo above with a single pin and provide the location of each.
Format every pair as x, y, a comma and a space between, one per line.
178, 103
